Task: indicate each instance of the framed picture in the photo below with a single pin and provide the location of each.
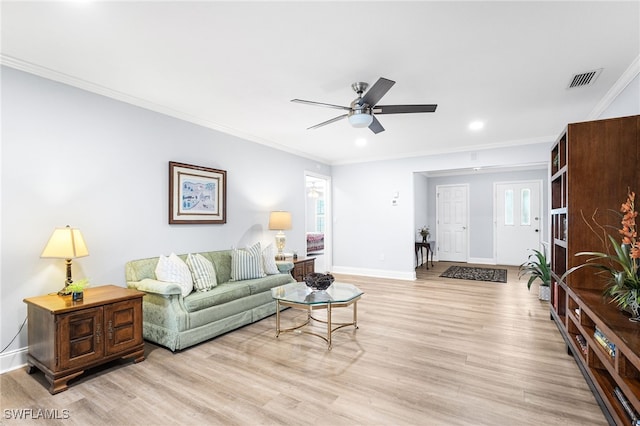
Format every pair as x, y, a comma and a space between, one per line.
197, 194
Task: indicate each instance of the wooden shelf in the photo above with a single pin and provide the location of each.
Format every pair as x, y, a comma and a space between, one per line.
585, 176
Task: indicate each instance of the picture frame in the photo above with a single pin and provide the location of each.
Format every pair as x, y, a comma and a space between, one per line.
197, 195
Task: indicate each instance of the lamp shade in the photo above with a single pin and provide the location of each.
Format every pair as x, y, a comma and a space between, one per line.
65, 243
279, 221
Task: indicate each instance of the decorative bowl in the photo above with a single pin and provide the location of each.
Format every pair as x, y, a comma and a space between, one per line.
316, 281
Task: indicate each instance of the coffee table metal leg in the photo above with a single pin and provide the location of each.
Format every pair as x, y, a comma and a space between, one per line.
277, 318
355, 314
329, 331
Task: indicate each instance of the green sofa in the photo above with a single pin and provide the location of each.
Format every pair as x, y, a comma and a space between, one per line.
178, 322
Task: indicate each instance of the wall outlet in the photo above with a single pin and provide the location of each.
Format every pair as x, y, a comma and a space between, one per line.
394, 203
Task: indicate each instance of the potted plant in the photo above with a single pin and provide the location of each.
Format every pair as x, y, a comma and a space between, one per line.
424, 232
76, 289
620, 260
539, 268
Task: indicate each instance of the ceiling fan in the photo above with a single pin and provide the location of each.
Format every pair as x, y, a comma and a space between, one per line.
362, 109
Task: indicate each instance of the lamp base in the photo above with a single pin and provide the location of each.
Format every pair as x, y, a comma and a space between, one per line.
68, 281
281, 241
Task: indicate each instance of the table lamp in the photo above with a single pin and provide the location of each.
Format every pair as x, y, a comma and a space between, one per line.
280, 221
65, 243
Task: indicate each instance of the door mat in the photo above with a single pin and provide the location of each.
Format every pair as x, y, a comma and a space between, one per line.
476, 274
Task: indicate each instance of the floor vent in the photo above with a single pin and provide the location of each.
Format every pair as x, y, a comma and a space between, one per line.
584, 79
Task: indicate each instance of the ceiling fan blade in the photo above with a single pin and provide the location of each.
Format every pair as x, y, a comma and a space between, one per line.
324, 123
402, 109
302, 101
375, 126
376, 92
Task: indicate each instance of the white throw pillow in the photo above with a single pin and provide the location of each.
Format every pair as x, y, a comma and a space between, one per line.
173, 269
269, 260
247, 264
202, 271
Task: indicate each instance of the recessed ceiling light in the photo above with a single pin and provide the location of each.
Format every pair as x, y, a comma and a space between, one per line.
361, 142
476, 125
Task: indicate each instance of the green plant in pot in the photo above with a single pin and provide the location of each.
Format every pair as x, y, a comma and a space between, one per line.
76, 289
539, 268
424, 232
620, 262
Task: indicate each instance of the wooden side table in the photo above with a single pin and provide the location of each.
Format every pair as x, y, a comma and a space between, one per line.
303, 266
67, 337
419, 246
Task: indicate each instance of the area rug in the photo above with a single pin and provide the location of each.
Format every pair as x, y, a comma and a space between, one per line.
476, 274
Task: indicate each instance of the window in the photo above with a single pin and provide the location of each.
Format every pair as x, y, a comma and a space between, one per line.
525, 211
320, 215
508, 207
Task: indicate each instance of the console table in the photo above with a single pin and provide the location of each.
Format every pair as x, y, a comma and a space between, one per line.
419, 246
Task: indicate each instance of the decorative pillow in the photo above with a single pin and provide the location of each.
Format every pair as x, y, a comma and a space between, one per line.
173, 269
202, 271
246, 264
269, 260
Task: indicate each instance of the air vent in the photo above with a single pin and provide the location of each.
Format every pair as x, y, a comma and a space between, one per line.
584, 79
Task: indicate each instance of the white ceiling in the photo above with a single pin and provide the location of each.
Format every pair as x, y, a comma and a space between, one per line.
235, 66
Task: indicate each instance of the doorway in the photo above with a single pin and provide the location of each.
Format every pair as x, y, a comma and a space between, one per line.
318, 220
518, 220
452, 220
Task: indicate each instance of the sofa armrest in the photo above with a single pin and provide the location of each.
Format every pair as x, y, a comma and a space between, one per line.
154, 286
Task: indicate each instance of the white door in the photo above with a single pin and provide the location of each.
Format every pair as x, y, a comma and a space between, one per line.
518, 221
452, 222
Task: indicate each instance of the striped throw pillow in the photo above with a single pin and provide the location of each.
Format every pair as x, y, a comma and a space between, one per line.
202, 271
246, 264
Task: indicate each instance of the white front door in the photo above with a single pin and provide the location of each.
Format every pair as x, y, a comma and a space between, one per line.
518, 221
452, 222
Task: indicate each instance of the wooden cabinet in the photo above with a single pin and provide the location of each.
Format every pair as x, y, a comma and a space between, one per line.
66, 337
592, 165
302, 267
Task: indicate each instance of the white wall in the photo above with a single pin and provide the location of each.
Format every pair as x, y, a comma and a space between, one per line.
371, 237
421, 205
481, 204
73, 157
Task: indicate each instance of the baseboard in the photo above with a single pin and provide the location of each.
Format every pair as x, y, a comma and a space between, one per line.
13, 360
482, 260
376, 273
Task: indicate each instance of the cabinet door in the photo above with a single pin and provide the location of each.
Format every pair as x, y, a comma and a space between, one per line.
80, 338
123, 325
309, 267
298, 272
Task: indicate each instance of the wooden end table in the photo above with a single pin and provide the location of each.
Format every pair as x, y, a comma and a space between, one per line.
67, 337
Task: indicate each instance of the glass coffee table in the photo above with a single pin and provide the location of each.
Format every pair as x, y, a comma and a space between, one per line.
299, 296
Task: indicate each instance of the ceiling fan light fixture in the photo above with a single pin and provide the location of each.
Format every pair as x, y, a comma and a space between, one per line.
360, 119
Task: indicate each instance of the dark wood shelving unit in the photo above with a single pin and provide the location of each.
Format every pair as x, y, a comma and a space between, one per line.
592, 165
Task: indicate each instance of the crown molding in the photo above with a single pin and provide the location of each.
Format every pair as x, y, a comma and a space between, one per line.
79, 83
627, 77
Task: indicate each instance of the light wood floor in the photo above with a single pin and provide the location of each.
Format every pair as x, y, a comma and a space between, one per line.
435, 351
